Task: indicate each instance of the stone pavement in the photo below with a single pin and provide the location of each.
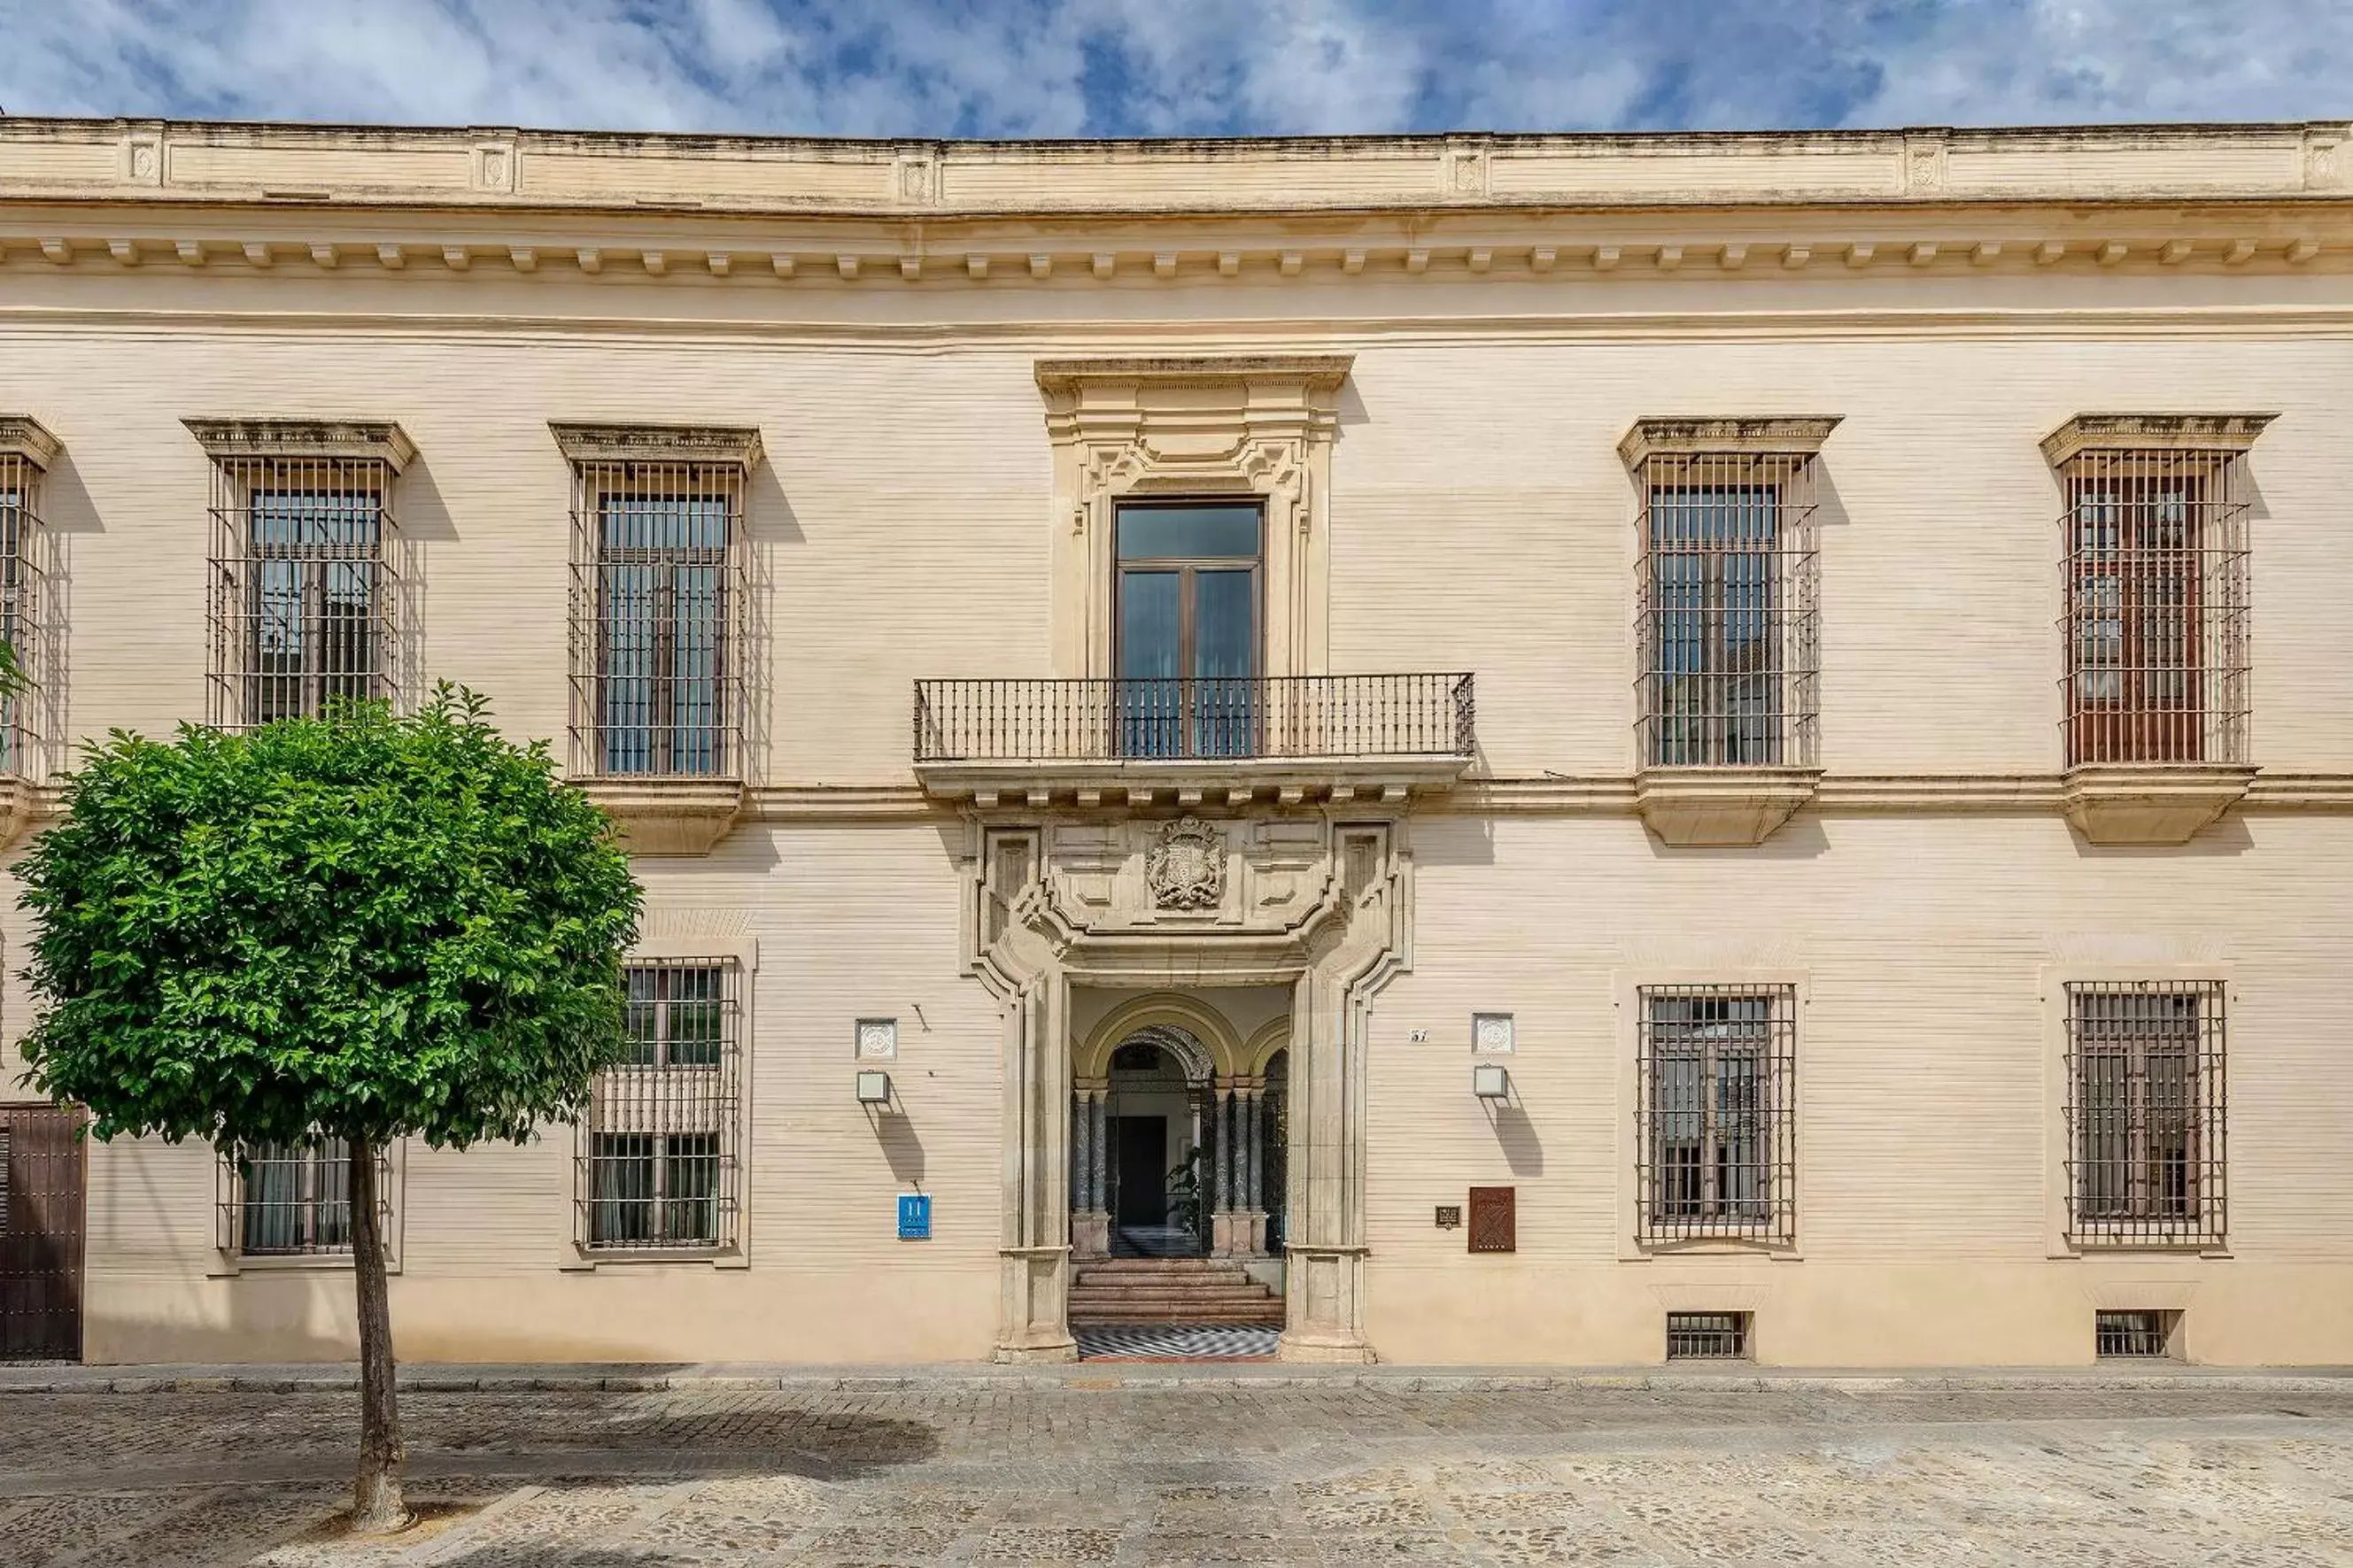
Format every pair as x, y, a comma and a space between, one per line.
125, 1468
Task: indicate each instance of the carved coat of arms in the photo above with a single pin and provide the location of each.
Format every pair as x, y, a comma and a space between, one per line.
1186, 867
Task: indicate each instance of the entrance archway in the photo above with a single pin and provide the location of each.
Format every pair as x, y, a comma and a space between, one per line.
1159, 1145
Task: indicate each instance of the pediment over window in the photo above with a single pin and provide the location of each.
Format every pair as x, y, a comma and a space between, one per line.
612, 443
1677, 435
2168, 432
23, 437
348, 440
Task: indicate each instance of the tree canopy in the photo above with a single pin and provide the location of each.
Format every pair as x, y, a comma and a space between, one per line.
359, 925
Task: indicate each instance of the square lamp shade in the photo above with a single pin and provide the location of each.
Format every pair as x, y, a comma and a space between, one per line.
1489, 1080
873, 1086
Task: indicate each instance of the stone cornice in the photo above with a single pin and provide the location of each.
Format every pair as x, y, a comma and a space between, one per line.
24, 437
737, 445
379, 440
2171, 432
1794, 435
189, 160
1312, 373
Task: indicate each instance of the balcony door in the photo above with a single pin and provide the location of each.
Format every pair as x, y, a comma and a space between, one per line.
1186, 611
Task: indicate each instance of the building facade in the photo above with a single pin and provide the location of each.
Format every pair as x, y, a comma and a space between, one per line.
1547, 748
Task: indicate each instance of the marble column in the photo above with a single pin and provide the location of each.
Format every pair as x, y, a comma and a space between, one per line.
1090, 1223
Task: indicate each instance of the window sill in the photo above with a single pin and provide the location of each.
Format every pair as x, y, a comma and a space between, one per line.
2151, 803
230, 1265
588, 1260
1706, 806
1758, 1247
668, 817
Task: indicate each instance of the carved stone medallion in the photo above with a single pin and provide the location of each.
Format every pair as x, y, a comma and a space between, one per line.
1186, 867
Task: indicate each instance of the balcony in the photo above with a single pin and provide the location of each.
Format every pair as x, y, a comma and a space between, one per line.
1282, 739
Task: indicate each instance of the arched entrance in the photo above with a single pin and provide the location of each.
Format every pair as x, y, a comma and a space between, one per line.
1178, 1136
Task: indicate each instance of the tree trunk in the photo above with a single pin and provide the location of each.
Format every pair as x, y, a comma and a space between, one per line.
377, 1508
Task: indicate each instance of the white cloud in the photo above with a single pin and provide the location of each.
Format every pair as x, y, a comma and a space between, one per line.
1062, 68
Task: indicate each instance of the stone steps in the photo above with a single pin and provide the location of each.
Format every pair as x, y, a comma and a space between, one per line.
1208, 1290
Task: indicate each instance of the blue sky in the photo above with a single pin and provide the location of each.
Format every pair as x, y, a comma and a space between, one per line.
1155, 68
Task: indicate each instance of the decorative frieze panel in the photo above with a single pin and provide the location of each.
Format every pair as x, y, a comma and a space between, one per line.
1260, 876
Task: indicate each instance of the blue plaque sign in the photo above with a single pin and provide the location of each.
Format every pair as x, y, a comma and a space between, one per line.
914, 1216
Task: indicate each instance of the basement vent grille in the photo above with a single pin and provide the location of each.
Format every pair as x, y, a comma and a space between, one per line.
2123, 1334
1707, 1336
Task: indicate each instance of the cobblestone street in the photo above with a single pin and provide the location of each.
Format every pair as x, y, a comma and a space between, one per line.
1082, 1468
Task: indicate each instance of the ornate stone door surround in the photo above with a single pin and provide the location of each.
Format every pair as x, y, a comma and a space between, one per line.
1317, 900
1211, 425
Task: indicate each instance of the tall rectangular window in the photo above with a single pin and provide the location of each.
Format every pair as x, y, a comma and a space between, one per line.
660, 1153
1717, 1112
26, 717
2145, 1112
661, 601
1726, 601
306, 588
2157, 599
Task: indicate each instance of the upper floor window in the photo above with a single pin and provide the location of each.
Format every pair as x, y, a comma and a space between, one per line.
1186, 616
659, 600
2156, 581
2145, 1112
25, 452
305, 594
1725, 601
1717, 1113
660, 1153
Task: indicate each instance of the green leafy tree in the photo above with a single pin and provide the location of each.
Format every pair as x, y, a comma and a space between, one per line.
360, 927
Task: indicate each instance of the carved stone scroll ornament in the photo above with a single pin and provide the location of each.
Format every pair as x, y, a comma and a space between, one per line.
1186, 867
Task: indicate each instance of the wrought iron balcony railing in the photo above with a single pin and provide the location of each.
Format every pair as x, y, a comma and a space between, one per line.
1201, 720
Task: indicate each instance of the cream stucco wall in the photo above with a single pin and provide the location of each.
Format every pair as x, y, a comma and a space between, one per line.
1479, 519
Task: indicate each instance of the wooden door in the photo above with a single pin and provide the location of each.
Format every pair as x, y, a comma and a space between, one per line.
41, 1210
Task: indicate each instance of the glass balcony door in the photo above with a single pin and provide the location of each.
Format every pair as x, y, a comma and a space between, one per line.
1187, 617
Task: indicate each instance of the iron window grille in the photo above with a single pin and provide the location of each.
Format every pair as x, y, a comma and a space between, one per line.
661, 601
306, 602
2133, 1335
293, 1200
1707, 1336
27, 717
1727, 608
2156, 584
660, 1165
1718, 1110
2146, 1113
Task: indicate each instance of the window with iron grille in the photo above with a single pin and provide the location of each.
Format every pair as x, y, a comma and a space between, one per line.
1707, 1336
658, 1157
292, 1200
2134, 1333
659, 600
2144, 1112
1716, 1105
1726, 597
28, 718
305, 596
2156, 581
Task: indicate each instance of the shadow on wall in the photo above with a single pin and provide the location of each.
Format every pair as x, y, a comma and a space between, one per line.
2227, 836
1799, 838
896, 1134
1517, 1136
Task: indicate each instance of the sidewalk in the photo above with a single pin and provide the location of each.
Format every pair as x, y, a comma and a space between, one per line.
427, 1377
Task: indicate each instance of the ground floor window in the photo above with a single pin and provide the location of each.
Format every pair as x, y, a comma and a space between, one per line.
2145, 1112
1717, 1113
291, 1200
659, 1158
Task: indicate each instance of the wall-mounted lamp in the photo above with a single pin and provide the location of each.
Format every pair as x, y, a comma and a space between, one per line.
1489, 1080
873, 1086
